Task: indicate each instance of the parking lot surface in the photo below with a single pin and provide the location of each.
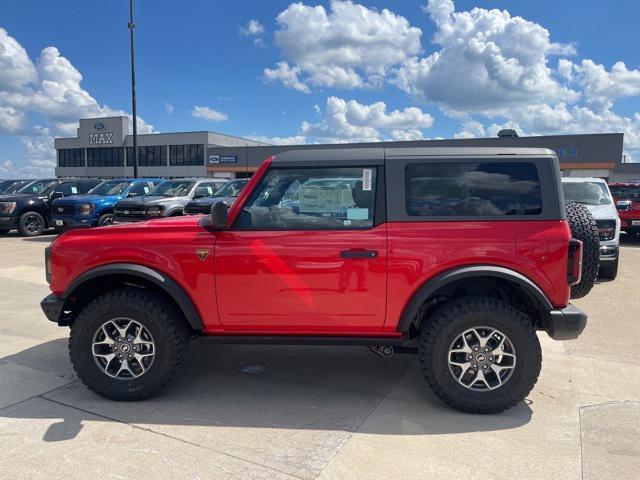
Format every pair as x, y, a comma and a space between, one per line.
315, 412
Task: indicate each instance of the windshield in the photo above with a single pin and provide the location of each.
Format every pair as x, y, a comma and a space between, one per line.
626, 192
38, 187
589, 193
231, 189
110, 187
172, 188
5, 184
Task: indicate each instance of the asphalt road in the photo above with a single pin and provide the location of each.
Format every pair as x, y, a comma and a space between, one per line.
315, 412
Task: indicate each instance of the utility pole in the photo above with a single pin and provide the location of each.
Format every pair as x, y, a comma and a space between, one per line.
131, 26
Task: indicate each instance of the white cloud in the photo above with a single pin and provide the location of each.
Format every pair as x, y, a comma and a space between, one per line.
471, 129
168, 107
207, 113
488, 61
348, 46
50, 88
253, 28
604, 86
288, 75
351, 121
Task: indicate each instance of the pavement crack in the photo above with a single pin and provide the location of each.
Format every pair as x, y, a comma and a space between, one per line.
39, 395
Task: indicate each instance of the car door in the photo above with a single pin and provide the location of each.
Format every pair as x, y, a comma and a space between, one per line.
307, 254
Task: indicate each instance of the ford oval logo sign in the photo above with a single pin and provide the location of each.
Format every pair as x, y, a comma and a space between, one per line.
99, 126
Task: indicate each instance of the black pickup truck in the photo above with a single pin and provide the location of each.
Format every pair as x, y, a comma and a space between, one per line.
28, 210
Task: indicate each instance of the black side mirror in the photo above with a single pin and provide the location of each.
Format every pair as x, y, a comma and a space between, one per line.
55, 195
219, 216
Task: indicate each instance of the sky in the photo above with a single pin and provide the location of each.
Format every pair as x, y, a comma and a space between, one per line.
318, 72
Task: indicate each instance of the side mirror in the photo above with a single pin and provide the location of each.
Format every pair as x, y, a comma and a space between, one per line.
219, 216
55, 195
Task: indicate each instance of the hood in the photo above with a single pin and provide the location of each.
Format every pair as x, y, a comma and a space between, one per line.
146, 200
17, 197
603, 212
213, 200
76, 199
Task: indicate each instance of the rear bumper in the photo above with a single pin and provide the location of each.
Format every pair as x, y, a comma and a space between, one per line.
53, 306
566, 324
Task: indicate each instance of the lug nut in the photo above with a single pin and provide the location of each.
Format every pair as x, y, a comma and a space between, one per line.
474, 365
484, 366
475, 349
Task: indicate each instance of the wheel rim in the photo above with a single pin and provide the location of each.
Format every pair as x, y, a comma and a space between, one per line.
482, 359
32, 224
123, 348
106, 221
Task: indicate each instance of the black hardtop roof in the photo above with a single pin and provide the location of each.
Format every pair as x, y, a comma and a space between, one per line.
377, 155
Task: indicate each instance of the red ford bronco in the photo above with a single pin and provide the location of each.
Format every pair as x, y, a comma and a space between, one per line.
459, 255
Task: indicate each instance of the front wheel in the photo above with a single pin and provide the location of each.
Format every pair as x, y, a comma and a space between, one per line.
105, 220
479, 354
128, 344
31, 224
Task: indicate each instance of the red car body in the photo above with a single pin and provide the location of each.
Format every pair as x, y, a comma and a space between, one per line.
292, 282
627, 198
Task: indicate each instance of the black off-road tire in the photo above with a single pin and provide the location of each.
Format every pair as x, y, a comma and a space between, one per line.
105, 219
448, 322
583, 227
609, 270
31, 224
166, 325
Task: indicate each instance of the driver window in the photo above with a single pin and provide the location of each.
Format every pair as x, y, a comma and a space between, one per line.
67, 189
312, 199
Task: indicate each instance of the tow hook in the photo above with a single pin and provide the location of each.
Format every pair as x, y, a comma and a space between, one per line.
384, 351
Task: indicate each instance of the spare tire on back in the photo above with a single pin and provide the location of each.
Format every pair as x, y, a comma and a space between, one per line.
583, 227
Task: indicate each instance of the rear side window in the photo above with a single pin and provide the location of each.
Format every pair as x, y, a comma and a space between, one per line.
468, 189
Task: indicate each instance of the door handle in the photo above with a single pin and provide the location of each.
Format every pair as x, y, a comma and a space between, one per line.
359, 253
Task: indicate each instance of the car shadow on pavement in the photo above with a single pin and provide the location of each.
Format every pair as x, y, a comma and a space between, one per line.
344, 389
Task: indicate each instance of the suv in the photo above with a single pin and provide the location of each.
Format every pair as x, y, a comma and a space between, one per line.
166, 200
595, 195
225, 194
95, 209
28, 209
463, 274
627, 197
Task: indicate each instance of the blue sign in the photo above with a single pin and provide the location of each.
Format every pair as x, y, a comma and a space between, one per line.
228, 159
568, 151
99, 126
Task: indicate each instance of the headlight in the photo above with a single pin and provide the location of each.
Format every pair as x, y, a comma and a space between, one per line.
606, 229
7, 208
86, 208
154, 211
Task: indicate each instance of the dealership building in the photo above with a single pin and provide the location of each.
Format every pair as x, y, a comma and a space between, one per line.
103, 148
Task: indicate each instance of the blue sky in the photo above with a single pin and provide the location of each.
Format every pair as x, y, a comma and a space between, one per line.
318, 71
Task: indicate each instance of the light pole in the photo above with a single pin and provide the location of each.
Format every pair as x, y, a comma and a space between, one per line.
131, 26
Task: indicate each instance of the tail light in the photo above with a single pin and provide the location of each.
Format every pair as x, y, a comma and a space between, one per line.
574, 267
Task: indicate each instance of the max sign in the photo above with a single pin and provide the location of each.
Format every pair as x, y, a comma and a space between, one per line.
100, 138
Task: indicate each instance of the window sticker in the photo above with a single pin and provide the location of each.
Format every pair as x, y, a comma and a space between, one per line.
146, 189
358, 213
367, 175
74, 190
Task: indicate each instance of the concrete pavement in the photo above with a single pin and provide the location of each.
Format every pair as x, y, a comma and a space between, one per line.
315, 412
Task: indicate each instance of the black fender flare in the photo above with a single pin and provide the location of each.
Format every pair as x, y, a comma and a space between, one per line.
170, 286
412, 308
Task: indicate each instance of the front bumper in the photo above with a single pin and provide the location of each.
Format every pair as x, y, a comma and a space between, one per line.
53, 308
72, 222
8, 223
566, 324
608, 253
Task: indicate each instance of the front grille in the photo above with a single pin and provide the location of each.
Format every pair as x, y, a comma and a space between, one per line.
606, 229
197, 209
131, 213
65, 210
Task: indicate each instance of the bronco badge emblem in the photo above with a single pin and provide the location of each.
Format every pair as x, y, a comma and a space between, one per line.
202, 253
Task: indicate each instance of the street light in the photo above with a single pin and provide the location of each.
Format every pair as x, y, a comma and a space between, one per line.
131, 26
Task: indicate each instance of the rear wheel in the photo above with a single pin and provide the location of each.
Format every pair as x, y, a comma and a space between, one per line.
583, 227
609, 270
128, 344
31, 224
479, 354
